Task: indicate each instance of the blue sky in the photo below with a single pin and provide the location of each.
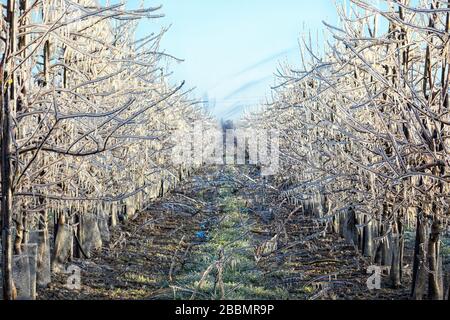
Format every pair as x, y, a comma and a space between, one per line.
232, 48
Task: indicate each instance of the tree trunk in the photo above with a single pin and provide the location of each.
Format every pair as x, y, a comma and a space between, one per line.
435, 290
419, 267
397, 254
351, 232
7, 171
7, 241
368, 237
77, 250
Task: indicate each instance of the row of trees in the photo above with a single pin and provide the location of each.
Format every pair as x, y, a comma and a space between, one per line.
87, 114
365, 133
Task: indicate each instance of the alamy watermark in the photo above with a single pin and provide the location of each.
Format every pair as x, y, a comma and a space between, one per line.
374, 280
73, 281
202, 145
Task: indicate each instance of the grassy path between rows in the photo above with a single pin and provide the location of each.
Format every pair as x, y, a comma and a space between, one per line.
224, 266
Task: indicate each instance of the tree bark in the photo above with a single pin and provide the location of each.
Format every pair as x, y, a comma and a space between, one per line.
7, 171
435, 290
397, 254
7, 223
419, 266
368, 237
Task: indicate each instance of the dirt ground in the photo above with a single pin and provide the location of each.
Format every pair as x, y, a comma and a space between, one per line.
214, 238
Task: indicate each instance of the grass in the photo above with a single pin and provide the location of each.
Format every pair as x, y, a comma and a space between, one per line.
242, 278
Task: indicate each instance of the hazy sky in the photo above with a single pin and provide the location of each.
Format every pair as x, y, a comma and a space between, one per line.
232, 48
